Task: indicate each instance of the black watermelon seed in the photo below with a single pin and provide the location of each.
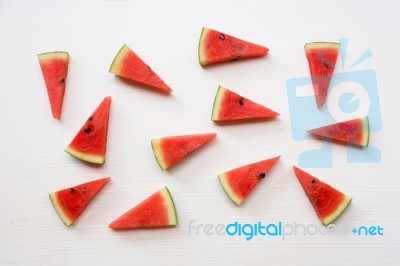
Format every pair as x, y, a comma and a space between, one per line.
313, 181
262, 175
90, 118
72, 190
87, 130
241, 101
62, 81
222, 36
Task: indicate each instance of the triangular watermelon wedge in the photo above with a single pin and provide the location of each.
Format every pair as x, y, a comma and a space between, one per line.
127, 64
90, 142
217, 47
354, 132
69, 203
169, 150
328, 202
54, 67
240, 182
158, 210
229, 105
321, 60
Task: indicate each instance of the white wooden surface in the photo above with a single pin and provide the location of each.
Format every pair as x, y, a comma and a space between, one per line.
165, 34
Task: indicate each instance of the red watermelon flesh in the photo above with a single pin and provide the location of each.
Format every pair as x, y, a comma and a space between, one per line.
321, 60
229, 105
216, 47
240, 182
54, 67
71, 202
129, 65
169, 150
90, 142
328, 202
355, 131
158, 210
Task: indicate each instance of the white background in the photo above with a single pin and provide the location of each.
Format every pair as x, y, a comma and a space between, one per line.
165, 34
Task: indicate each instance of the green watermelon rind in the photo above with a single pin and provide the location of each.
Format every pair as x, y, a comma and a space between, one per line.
173, 217
86, 157
116, 63
232, 195
53, 198
155, 145
217, 103
52, 55
201, 52
366, 130
337, 213
320, 45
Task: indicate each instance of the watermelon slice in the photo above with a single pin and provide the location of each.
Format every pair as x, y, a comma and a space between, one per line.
229, 105
328, 202
354, 131
240, 182
129, 65
90, 142
158, 210
54, 67
169, 150
69, 203
216, 47
321, 60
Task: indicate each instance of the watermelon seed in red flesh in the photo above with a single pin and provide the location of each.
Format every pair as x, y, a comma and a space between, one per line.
321, 58
328, 202
217, 47
54, 67
90, 142
69, 203
240, 182
354, 132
